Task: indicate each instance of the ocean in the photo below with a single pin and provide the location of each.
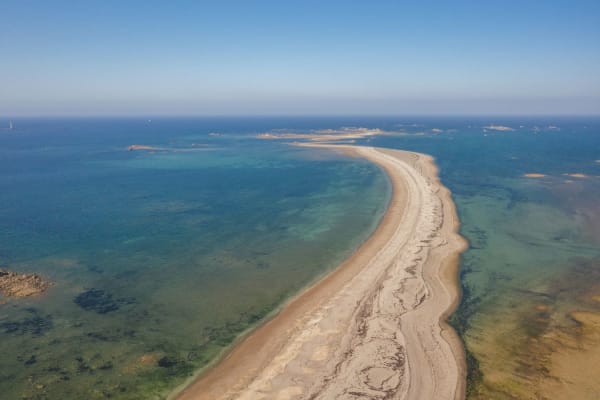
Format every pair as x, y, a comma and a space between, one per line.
161, 257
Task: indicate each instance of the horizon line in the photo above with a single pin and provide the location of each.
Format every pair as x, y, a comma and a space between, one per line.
8, 116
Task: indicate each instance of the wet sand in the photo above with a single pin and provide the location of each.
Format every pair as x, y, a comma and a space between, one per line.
375, 326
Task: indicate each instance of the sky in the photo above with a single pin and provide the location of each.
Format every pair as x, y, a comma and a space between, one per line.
290, 57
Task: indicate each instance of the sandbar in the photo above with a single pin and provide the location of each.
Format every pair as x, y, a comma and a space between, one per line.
138, 147
500, 128
577, 175
375, 327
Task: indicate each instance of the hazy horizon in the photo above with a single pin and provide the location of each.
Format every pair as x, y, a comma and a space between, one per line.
573, 109
273, 58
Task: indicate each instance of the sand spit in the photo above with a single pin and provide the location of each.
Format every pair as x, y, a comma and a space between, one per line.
534, 175
373, 328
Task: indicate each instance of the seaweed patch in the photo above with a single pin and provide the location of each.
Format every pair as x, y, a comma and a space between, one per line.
34, 325
100, 301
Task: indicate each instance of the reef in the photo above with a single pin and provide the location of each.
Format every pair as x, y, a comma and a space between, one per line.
34, 324
100, 301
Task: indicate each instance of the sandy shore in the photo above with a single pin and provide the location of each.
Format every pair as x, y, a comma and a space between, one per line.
373, 328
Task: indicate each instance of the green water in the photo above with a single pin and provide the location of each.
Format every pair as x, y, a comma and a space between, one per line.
534, 255
160, 260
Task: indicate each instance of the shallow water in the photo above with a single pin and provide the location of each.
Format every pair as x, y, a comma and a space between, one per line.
184, 250
159, 260
534, 256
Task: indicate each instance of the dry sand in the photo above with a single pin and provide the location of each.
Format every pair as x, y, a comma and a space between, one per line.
373, 328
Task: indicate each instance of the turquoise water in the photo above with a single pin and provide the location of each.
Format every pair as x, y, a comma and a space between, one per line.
161, 258
534, 254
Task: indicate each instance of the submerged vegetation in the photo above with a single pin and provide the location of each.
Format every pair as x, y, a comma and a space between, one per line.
100, 301
460, 321
34, 324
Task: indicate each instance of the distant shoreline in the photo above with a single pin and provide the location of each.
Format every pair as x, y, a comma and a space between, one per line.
370, 325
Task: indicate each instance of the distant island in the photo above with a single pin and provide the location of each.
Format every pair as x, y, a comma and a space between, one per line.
500, 128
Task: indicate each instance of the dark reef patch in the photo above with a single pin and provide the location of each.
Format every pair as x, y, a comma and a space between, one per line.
115, 335
34, 325
100, 301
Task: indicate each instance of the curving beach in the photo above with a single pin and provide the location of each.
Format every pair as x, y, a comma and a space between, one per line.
375, 326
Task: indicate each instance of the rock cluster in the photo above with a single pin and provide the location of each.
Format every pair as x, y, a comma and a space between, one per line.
14, 284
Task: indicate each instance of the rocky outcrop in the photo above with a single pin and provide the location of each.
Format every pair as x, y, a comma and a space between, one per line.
14, 284
137, 147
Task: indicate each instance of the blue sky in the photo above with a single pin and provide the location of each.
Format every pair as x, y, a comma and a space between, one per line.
299, 57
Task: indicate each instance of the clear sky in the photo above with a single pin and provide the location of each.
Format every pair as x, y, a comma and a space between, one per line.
299, 57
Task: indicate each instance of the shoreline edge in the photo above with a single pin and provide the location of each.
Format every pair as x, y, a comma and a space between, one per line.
368, 327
